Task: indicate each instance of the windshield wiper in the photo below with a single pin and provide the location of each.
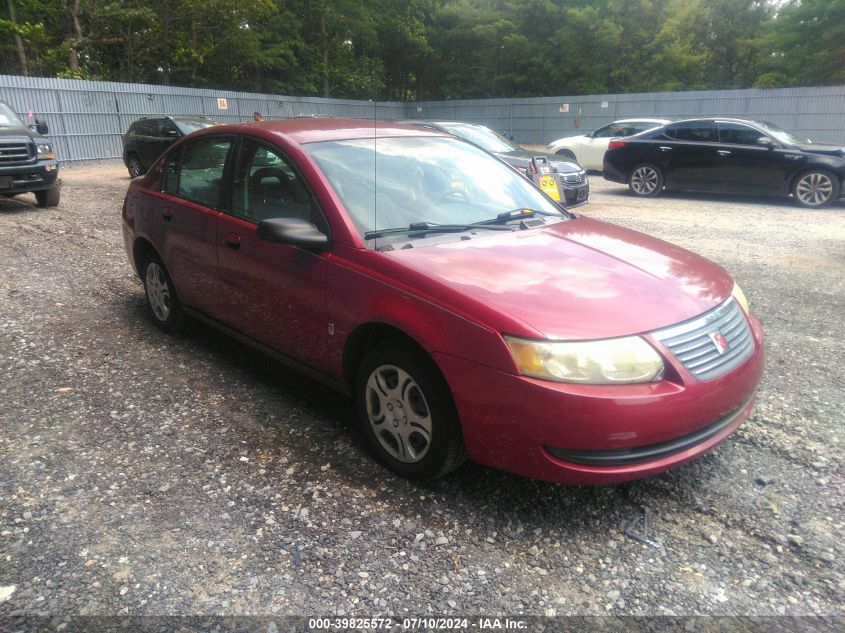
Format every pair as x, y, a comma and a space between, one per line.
430, 227
517, 214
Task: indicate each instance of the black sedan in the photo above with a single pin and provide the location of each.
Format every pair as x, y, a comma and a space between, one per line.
727, 156
572, 177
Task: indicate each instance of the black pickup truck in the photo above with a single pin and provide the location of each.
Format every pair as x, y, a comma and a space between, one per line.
27, 160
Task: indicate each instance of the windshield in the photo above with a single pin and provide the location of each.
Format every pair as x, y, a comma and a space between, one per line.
782, 135
484, 137
396, 182
186, 126
8, 117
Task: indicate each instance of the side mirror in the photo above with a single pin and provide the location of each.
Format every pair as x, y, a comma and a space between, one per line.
765, 141
41, 127
172, 132
293, 231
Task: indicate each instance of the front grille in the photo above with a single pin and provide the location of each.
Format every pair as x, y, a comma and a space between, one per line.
696, 343
575, 178
11, 153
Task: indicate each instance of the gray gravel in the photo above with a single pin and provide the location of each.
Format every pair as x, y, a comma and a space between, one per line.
145, 474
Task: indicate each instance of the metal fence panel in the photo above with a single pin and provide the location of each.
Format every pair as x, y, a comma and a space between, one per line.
817, 113
86, 118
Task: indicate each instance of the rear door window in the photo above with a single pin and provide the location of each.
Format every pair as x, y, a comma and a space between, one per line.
201, 170
695, 131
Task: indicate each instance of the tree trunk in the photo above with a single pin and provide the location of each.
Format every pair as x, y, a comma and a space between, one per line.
18, 41
324, 44
75, 33
165, 32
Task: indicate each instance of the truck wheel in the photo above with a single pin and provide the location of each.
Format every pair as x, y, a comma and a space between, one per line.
133, 164
48, 197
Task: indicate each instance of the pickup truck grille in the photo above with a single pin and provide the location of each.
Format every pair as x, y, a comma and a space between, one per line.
713, 344
18, 152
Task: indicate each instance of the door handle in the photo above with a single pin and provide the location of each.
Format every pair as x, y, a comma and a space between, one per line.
663, 148
233, 241
167, 214
724, 152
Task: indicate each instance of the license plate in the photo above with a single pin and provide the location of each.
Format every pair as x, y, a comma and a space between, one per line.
549, 187
5, 182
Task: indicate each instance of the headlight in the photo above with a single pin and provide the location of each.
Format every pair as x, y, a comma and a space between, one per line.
45, 151
605, 362
739, 295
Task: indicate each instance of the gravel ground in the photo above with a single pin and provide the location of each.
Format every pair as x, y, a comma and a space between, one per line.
143, 474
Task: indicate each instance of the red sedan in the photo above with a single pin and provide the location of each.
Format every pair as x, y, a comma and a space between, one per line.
466, 313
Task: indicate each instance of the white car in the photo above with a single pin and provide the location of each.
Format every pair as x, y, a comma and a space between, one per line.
589, 149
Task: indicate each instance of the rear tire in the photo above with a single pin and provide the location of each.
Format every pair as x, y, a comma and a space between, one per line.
406, 412
816, 189
646, 181
48, 197
133, 166
161, 295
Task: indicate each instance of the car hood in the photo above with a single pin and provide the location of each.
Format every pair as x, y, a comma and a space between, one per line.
823, 148
15, 132
577, 279
521, 158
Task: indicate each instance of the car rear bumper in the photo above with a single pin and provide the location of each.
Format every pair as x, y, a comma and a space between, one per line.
589, 434
612, 173
37, 176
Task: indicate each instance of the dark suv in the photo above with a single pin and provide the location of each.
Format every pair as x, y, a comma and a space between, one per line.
27, 160
146, 139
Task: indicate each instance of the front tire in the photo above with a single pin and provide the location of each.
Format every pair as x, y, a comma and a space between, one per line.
48, 197
161, 296
406, 412
815, 189
567, 154
646, 181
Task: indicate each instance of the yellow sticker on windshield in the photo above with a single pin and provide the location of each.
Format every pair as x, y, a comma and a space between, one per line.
549, 187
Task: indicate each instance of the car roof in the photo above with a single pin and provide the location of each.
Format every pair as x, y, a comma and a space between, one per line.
314, 130
642, 120
715, 119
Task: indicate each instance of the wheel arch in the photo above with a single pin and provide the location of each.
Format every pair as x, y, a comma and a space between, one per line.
364, 338
140, 251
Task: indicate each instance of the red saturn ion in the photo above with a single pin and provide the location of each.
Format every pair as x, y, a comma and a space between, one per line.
467, 314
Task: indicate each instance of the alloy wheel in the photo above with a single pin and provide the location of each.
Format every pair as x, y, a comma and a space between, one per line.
134, 167
158, 292
814, 189
398, 413
644, 180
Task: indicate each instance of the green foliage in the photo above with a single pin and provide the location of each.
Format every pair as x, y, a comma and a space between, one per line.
425, 49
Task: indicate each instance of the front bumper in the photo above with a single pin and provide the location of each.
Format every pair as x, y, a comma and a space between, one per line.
511, 422
36, 176
575, 195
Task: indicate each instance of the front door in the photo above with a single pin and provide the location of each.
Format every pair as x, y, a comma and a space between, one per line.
274, 293
747, 166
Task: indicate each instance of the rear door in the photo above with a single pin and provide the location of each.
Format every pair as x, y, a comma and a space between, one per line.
186, 216
273, 293
688, 155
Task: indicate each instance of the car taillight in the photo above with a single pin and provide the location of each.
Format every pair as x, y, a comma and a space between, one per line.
616, 144
532, 168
